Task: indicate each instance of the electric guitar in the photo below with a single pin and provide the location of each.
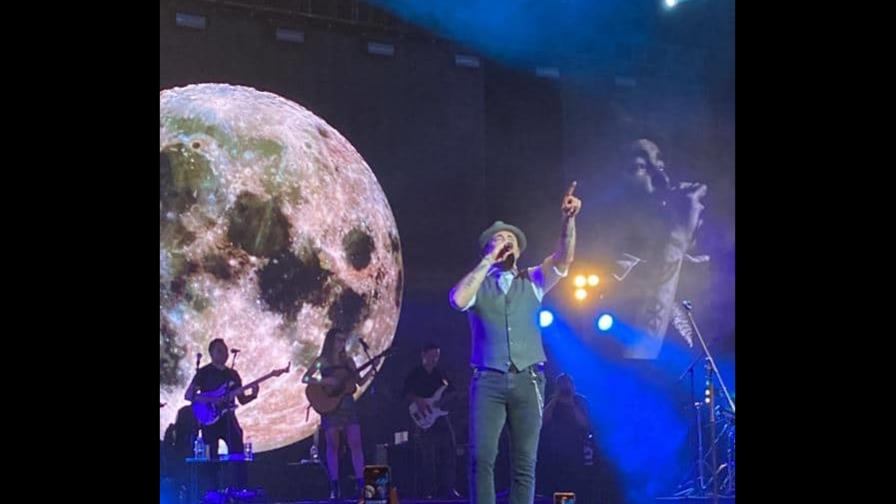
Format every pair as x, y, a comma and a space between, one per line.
425, 421
207, 413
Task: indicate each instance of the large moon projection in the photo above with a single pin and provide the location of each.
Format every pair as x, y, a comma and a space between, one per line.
272, 230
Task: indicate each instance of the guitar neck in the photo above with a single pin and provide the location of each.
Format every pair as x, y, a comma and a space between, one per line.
371, 361
242, 389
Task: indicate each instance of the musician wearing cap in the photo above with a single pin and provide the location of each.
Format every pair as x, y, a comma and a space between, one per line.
502, 303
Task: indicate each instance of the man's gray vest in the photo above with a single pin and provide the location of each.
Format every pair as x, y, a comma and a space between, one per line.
505, 329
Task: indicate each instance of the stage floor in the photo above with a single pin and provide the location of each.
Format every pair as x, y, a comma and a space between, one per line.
538, 500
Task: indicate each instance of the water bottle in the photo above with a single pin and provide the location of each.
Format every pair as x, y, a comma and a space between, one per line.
248, 449
198, 447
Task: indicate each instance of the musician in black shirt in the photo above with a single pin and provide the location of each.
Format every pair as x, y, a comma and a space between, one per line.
436, 445
209, 378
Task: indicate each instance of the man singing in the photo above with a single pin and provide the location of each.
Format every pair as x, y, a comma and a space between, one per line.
660, 232
502, 304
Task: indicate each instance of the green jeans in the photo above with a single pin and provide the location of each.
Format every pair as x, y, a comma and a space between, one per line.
516, 398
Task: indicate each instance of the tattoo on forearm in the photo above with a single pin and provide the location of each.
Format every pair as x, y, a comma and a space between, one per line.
469, 281
567, 241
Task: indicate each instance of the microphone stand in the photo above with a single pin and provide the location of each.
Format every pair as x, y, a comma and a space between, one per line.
711, 362
690, 369
372, 367
712, 371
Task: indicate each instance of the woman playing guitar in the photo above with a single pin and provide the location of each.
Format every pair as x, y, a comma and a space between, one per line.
339, 376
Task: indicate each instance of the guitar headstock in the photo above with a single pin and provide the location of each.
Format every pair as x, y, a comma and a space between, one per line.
278, 372
378, 357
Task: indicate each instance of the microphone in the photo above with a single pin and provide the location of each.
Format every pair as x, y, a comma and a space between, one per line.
507, 263
687, 305
235, 350
679, 186
669, 186
505, 249
665, 178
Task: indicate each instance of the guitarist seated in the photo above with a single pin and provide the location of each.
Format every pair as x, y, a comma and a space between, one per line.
209, 378
436, 450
